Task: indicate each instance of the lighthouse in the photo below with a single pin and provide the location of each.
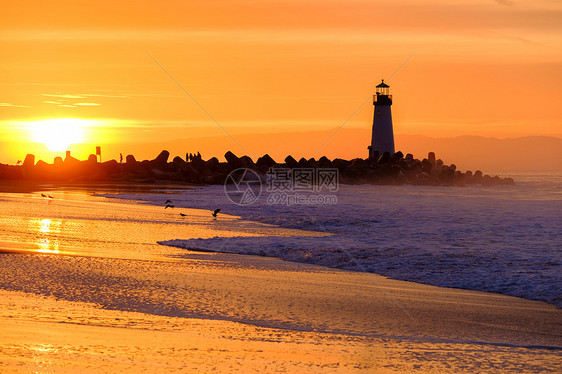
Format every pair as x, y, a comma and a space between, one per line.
383, 135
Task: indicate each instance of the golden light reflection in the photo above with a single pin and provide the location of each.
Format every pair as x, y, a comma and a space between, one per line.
44, 348
45, 228
42, 355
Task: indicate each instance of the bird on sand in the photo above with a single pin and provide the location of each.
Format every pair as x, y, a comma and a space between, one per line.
169, 206
183, 215
168, 202
43, 195
50, 197
216, 212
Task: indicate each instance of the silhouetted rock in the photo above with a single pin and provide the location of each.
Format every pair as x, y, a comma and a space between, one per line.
110, 167
431, 158
265, 161
198, 164
179, 162
233, 160
340, 163
291, 162
160, 174
313, 163
384, 158
191, 175
161, 160
324, 162
303, 163
215, 179
397, 156
71, 162
387, 169
426, 166
247, 162
58, 162
212, 164
360, 163
42, 171
416, 165
29, 161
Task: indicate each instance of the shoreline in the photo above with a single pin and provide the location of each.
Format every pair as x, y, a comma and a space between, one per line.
299, 249
164, 189
445, 330
401, 307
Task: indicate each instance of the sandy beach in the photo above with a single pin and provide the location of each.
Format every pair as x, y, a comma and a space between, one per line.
115, 304
324, 321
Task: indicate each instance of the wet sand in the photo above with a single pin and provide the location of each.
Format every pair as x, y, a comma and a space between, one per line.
263, 315
185, 311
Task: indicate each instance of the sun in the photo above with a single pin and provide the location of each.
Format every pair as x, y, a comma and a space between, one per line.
58, 134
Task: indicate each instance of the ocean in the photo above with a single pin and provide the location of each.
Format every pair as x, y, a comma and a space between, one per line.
503, 239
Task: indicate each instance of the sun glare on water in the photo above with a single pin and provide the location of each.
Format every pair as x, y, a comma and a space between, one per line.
58, 134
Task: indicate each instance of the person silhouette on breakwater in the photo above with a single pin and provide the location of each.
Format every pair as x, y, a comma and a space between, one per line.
120, 158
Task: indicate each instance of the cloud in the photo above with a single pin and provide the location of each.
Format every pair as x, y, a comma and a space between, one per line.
65, 99
505, 2
13, 105
83, 96
104, 95
62, 96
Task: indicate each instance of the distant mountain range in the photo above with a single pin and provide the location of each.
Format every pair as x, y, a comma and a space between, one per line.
467, 152
471, 152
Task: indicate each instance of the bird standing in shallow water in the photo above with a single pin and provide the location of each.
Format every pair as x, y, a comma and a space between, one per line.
216, 212
183, 215
169, 206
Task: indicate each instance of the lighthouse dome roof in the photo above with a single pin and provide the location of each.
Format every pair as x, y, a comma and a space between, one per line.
383, 85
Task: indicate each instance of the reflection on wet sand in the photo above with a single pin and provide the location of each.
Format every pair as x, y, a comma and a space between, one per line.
75, 223
45, 228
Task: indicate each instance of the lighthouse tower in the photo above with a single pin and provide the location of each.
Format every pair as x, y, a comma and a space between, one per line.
383, 135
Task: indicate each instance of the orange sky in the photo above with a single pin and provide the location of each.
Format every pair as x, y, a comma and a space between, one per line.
474, 67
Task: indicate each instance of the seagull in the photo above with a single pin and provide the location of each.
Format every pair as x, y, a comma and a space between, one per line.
169, 206
216, 212
183, 215
168, 202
